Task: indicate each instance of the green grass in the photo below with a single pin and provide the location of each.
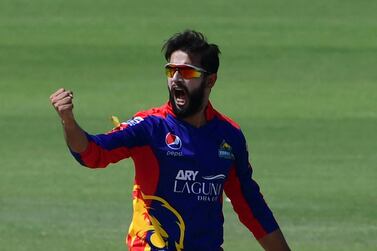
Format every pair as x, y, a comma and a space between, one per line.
298, 76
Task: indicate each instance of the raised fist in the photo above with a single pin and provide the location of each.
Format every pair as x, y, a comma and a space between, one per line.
62, 102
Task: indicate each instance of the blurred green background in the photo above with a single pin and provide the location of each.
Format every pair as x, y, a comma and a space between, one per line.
298, 76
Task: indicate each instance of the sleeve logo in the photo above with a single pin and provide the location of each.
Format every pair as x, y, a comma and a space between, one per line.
134, 121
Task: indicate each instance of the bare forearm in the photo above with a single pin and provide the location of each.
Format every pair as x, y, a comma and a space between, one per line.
75, 136
274, 241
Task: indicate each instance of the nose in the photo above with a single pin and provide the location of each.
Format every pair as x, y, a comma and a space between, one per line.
177, 76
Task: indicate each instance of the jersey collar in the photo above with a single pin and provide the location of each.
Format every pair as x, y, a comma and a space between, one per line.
210, 112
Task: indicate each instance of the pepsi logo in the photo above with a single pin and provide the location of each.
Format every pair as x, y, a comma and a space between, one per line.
173, 141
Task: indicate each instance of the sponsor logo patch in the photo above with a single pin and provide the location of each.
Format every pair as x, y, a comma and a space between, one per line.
173, 141
134, 121
205, 188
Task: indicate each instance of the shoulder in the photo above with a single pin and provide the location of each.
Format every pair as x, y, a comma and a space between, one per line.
142, 119
227, 120
212, 113
160, 112
231, 129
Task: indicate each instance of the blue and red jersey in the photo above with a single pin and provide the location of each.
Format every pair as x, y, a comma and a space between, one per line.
181, 172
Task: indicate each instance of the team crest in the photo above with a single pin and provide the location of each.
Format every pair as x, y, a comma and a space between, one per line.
225, 151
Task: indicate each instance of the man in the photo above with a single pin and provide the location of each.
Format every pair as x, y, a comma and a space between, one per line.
185, 153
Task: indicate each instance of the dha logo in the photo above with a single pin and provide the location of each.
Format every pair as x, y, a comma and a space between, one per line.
173, 141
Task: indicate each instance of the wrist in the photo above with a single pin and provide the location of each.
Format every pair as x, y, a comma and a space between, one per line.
68, 123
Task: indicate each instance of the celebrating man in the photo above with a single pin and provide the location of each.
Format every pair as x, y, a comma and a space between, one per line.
185, 153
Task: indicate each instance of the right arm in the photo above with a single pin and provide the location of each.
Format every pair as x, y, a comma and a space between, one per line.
75, 136
98, 150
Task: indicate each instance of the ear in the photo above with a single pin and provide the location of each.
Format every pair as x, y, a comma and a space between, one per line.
211, 80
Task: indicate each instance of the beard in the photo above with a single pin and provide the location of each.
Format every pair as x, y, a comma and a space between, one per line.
195, 100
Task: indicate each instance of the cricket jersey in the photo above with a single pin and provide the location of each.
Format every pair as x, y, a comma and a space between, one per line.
181, 173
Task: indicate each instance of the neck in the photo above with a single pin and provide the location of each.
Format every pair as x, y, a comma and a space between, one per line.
198, 119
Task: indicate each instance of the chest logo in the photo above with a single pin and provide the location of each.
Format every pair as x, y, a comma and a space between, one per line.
225, 151
173, 141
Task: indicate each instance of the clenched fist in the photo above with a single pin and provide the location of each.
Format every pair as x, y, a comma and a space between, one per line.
74, 135
62, 102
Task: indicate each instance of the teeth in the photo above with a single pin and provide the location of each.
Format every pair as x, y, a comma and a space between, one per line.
179, 95
180, 99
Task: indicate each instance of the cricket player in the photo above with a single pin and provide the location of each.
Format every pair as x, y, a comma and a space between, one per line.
186, 155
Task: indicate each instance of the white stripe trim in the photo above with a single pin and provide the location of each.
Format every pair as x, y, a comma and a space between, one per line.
216, 177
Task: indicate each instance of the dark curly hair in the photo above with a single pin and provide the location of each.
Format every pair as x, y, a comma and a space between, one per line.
194, 43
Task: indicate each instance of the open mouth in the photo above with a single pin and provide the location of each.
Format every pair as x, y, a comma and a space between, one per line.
180, 96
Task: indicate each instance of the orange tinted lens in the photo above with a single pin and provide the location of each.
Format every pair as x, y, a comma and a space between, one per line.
169, 72
186, 72
189, 73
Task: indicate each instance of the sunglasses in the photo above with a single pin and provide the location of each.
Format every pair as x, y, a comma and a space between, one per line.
187, 71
